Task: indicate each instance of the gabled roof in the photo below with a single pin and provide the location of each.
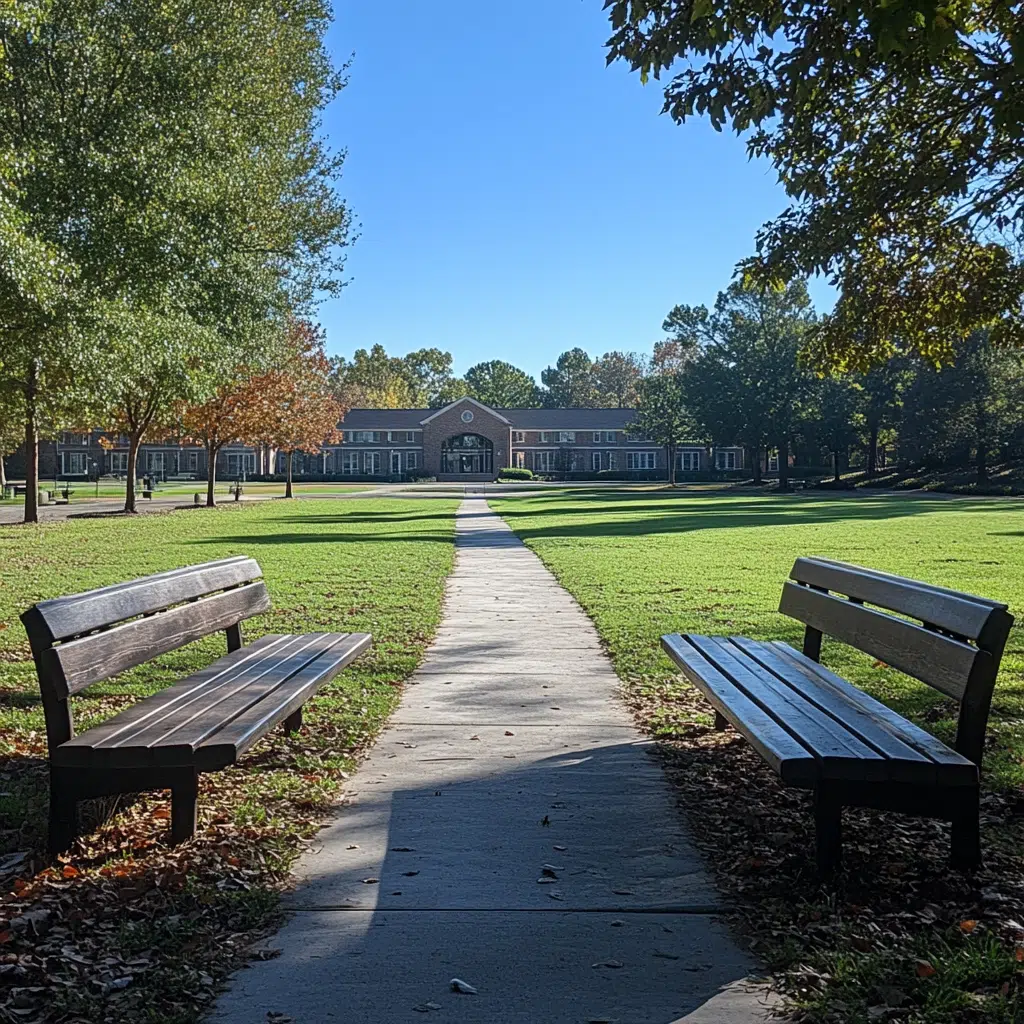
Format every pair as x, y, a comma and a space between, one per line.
569, 419
383, 419
466, 401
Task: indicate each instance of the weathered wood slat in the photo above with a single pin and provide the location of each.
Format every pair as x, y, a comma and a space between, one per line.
74, 665
81, 749
904, 762
793, 762
955, 769
142, 745
842, 755
938, 660
64, 617
231, 742
962, 614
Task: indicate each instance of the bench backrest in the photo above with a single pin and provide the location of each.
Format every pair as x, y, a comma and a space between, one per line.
954, 643
86, 638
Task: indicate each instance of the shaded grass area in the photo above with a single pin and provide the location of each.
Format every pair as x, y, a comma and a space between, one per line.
186, 915
897, 935
81, 490
1004, 478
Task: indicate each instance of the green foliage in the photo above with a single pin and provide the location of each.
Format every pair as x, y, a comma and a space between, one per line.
571, 383
502, 385
618, 376
662, 415
894, 129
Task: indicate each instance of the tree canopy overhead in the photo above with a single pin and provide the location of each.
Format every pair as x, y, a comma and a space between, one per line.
896, 130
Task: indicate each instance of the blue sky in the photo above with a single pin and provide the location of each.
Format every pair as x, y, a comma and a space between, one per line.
515, 196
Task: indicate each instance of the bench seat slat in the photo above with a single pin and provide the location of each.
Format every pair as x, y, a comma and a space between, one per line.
905, 763
955, 768
793, 762
80, 750
231, 742
842, 754
277, 664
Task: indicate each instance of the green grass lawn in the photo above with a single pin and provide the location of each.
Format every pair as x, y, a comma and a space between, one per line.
375, 565
644, 565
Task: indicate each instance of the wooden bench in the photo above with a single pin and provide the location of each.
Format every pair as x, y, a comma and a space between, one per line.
819, 732
198, 724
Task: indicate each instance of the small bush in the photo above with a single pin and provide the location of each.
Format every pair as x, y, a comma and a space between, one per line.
515, 473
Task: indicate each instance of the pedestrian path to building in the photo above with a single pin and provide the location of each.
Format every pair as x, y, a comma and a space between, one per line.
509, 830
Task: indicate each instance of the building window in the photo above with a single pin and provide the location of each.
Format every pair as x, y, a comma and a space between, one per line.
193, 462
518, 436
410, 436
641, 460
611, 461
363, 436
74, 463
371, 463
350, 463
545, 436
412, 459
396, 463
773, 462
566, 436
241, 464
597, 437
610, 437
519, 459
595, 461
118, 462
689, 462
725, 460
543, 462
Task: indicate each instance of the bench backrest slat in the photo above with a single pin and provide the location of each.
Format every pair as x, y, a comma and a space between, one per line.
931, 657
962, 614
64, 617
76, 664
955, 644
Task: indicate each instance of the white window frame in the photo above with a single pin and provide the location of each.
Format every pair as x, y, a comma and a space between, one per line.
567, 437
371, 463
350, 463
412, 460
518, 436
641, 461
118, 462
193, 462
396, 462
724, 458
689, 461
410, 436
595, 461
545, 437
597, 437
773, 462
71, 459
519, 459
611, 437
542, 461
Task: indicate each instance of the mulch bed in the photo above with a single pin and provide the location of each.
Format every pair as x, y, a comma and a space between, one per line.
896, 935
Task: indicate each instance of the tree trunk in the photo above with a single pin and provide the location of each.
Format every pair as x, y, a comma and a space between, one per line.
670, 454
31, 446
211, 475
133, 462
755, 463
288, 476
784, 465
873, 450
837, 474
981, 421
3, 474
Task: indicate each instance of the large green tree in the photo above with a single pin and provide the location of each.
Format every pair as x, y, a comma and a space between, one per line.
617, 377
167, 189
571, 382
895, 130
747, 386
662, 416
502, 385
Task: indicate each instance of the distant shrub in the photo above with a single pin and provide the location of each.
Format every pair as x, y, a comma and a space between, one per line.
515, 473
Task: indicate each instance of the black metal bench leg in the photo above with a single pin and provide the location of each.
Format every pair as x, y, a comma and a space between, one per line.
293, 723
965, 849
721, 722
828, 826
184, 797
63, 813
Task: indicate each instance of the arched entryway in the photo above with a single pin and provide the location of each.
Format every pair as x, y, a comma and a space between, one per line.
466, 454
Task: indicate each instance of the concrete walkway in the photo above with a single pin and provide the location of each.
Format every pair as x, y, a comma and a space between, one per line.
509, 829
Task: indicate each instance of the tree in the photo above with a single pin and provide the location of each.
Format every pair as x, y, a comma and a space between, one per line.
297, 410
570, 383
502, 385
883, 388
662, 416
895, 131
380, 380
617, 377
11, 420
428, 370
748, 385
135, 192
835, 417
451, 391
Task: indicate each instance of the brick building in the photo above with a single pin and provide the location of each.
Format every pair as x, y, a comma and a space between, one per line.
466, 441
